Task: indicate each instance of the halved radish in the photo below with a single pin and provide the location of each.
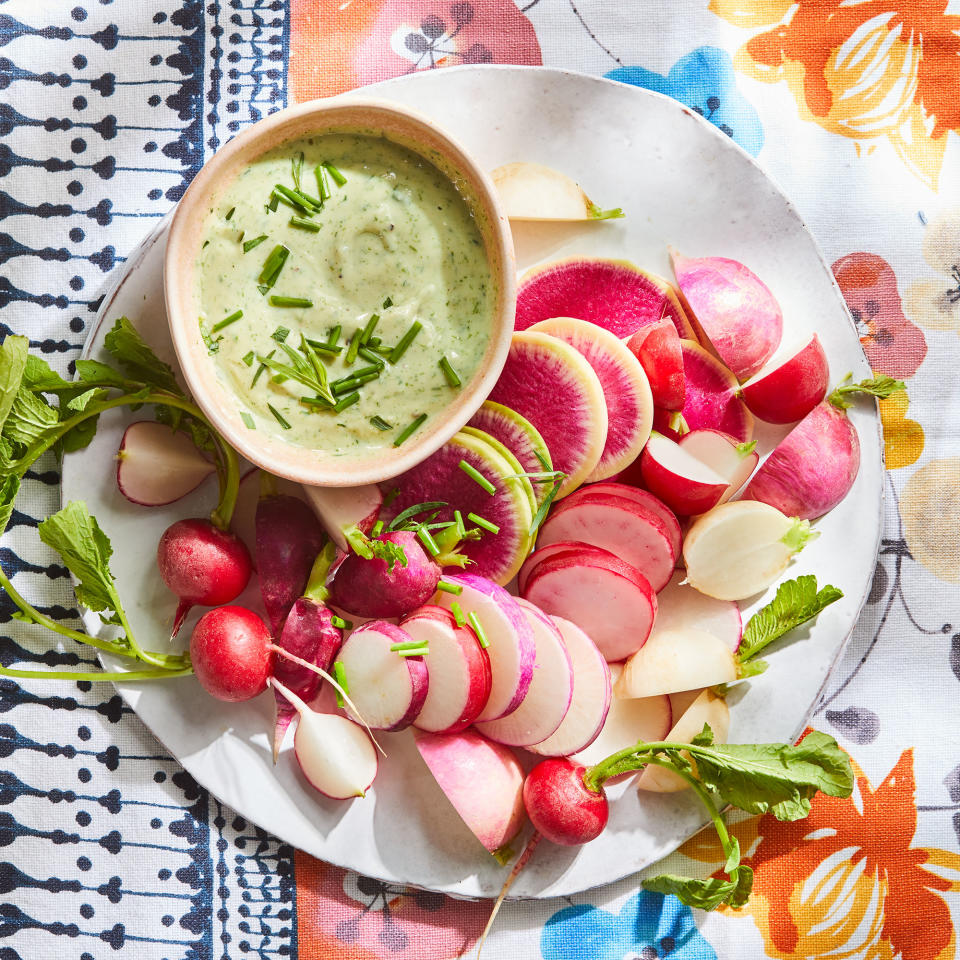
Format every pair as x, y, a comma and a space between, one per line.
673, 660
458, 670
724, 455
687, 485
343, 510
613, 294
625, 528
657, 347
739, 548
532, 191
387, 688
556, 389
606, 597
712, 395
512, 648
681, 607
244, 522
590, 700
625, 389
547, 700
156, 465
574, 547
790, 385
512, 461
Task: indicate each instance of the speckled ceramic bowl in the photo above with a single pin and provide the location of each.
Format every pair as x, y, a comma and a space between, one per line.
404, 127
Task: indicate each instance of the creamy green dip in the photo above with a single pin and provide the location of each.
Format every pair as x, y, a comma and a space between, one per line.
396, 240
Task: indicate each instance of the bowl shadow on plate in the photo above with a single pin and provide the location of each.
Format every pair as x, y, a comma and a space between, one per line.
538, 242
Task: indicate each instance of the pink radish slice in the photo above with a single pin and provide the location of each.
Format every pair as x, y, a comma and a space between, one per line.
512, 649
609, 599
156, 466
790, 385
657, 347
590, 701
625, 389
553, 386
574, 547
712, 399
547, 700
388, 689
721, 453
680, 606
686, 484
627, 529
458, 669
483, 781
343, 509
613, 294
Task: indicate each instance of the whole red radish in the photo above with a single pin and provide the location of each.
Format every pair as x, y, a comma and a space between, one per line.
559, 804
202, 565
657, 347
231, 655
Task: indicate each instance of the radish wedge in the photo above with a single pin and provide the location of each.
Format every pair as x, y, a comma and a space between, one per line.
553, 386
157, 466
590, 700
458, 670
721, 453
507, 455
532, 191
573, 547
790, 385
681, 607
548, 699
673, 660
657, 347
604, 596
712, 395
483, 781
512, 648
387, 689
625, 389
342, 510
613, 294
740, 548
244, 522
687, 485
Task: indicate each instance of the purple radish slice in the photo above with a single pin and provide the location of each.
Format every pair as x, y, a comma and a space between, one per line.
387, 689
713, 399
613, 294
574, 547
519, 436
590, 701
458, 669
512, 648
555, 388
440, 478
157, 466
548, 699
514, 464
625, 389
681, 606
244, 522
345, 510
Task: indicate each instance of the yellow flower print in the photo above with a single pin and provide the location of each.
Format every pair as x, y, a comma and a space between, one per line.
930, 509
902, 438
935, 303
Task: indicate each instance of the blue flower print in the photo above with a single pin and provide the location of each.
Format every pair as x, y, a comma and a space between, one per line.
649, 927
704, 80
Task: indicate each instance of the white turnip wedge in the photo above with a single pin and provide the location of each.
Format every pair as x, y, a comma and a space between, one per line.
726, 456
680, 607
387, 686
156, 466
512, 648
344, 510
532, 191
543, 708
590, 700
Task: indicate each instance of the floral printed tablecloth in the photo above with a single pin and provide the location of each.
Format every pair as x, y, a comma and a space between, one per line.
109, 107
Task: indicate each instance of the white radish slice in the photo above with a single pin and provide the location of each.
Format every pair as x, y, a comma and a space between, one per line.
548, 699
627, 529
342, 510
608, 598
157, 466
575, 547
680, 607
732, 460
740, 548
458, 670
625, 389
512, 649
591, 696
336, 755
482, 779
674, 660
682, 481
532, 191
387, 689
556, 389
706, 707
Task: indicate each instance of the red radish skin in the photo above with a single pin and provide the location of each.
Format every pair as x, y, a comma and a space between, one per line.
201, 565
657, 347
573, 547
786, 390
157, 466
244, 520
687, 485
734, 309
712, 395
559, 804
231, 655
813, 468
733, 461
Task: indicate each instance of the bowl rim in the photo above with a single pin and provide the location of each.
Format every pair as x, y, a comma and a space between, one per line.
282, 458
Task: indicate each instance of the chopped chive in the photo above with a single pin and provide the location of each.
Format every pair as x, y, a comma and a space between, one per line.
478, 630
248, 245
229, 213
401, 348
388, 302
273, 265
421, 651
455, 588
226, 321
338, 178
280, 334
458, 519
483, 522
276, 301
340, 675
324, 348
348, 385
260, 370
427, 540
477, 476
334, 336
453, 378
320, 402
407, 645
410, 429
373, 343
248, 358
348, 401
380, 423
457, 612
377, 530
206, 243
278, 416
322, 187
304, 224
391, 495
296, 163
297, 198
383, 350
369, 328
354, 347
340, 623
369, 355
248, 420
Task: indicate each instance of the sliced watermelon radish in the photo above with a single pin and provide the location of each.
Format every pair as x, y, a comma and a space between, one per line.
519, 436
712, 395
625, 389
515, 468
440, 478
556, 389
573, 547
613, 294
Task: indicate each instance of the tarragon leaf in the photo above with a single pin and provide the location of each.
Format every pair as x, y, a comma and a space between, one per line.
13, 362
132, 353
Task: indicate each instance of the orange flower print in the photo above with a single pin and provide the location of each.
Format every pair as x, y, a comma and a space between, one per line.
865, 69
935, 303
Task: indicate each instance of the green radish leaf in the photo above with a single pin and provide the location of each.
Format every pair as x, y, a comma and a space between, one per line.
745, 449
880, 386
13, 364
130, 350
40, 377
744, 885
753, 668
704, 738
30, 418
594, 212
799, 535
92, 371
83, 400
391, 553
706, 894
80, 436
733, 856
9, 487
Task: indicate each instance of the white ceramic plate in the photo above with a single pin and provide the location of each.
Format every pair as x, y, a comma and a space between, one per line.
680, 181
